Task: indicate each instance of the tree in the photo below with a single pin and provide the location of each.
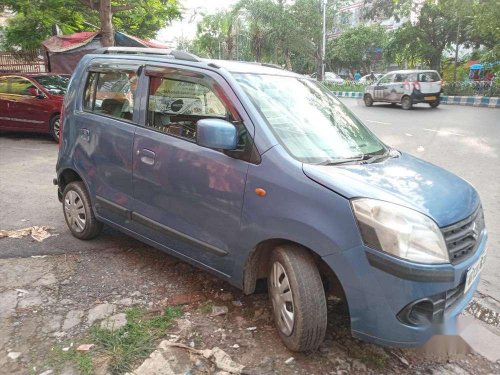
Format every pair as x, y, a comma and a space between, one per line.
34, 20
358, 47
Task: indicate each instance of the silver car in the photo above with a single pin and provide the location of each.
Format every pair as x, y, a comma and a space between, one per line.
406, 87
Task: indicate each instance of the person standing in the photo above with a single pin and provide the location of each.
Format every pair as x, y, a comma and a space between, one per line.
357, 76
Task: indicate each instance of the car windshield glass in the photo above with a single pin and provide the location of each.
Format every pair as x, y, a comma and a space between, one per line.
312, 125
57, 84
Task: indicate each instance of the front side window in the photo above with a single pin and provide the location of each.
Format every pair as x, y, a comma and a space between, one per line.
111, 93
308, 121
175, 105
386, 79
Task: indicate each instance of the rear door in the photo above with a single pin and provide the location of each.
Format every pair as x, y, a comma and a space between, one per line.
397, 87
381, 89
430, 82
187, 197
26, 111
104, 127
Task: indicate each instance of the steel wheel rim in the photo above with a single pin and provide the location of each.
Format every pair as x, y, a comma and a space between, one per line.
57, 128
75, 211
282, 299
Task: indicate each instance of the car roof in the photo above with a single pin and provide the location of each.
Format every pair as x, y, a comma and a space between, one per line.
411, 71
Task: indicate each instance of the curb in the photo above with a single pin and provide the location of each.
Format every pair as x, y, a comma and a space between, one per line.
485, 309
475, 101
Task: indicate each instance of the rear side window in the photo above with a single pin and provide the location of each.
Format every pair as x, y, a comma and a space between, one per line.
4, 88
428, 77
111, 93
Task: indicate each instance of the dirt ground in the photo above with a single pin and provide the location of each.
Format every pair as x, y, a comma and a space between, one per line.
48, 304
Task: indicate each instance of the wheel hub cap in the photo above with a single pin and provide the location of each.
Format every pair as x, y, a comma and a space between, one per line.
282, 299
75, 211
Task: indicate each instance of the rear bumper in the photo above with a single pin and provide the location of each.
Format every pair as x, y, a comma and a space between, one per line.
419, 97
381, 292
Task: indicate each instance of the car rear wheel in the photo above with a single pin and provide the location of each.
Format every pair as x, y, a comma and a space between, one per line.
434, 104
406, 102
368, 100
55, 127
78, 212
298, 298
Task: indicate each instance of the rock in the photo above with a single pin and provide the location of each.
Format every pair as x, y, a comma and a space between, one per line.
9, 302
358, 366
251, 328
73, 318
235, 346
114, 322
47, 372
30, 300
226, 297
136, 294
289, 360
14, 355
66, 301
46, 279
237, 303
84, 347
52, 323
184, 326
100, 312
125, 302
219, 310
186, 299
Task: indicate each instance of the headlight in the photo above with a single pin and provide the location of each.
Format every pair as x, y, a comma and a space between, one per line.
400, 231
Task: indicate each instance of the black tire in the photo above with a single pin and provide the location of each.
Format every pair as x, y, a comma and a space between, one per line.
434, 104
368, 100
308, 298
406, 102
55, 127
91, 227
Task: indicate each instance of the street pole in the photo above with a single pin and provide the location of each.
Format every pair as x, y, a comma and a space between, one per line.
456, 53
323, 47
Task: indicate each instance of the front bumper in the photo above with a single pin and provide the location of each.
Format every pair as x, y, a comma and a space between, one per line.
379, 287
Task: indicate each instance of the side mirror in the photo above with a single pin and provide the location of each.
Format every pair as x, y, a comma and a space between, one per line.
216, 133
33, 91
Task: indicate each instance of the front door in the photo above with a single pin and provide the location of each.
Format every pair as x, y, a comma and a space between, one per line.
382, 89
187, 197
104, 128
24, 110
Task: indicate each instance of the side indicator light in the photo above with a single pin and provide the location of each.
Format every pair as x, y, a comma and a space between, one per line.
260, 192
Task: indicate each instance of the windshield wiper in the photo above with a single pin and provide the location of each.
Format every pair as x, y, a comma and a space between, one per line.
365, 158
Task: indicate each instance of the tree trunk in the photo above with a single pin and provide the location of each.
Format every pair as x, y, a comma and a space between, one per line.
436, 61
319, 62
107, 33
288, 61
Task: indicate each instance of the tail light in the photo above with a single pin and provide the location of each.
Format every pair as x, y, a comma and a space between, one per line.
416, 85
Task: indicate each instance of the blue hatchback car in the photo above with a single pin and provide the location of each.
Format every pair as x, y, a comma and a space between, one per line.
251, 172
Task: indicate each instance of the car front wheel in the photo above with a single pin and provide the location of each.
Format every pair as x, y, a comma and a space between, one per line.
298, 298
78, 212
368, 100
406, 102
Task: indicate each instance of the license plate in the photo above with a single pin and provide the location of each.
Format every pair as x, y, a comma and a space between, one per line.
429, 98
474, 272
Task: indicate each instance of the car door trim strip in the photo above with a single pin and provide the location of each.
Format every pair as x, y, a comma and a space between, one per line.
176, 234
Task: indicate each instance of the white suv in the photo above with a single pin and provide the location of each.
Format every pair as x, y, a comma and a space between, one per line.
407, 87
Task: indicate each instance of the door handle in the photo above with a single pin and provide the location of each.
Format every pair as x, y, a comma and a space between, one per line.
85, 134
147, 156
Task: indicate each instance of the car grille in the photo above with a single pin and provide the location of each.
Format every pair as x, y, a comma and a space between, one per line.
463, 237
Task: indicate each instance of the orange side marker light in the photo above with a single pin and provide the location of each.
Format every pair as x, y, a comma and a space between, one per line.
260, 192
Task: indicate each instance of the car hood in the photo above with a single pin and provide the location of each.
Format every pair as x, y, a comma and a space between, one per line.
403, 180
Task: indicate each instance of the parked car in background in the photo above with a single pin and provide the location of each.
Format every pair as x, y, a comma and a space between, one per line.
368, 78
31, 102
252, 172
407, 87
331, 77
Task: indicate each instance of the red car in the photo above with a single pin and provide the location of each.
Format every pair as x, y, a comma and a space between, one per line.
31, 102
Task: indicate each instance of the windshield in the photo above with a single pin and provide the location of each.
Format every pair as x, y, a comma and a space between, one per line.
56, 85
312, 125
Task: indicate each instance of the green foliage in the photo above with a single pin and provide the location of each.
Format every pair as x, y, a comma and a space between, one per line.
35, 19
355, 48
135, 341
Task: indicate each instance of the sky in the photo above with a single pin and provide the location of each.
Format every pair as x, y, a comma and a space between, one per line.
192, 14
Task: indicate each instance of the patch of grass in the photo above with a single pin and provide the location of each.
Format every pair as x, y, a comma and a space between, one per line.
127, 345
84, 363
206, 308
58, 357
373, 360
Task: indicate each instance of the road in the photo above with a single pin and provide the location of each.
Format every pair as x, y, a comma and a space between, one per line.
464, 140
